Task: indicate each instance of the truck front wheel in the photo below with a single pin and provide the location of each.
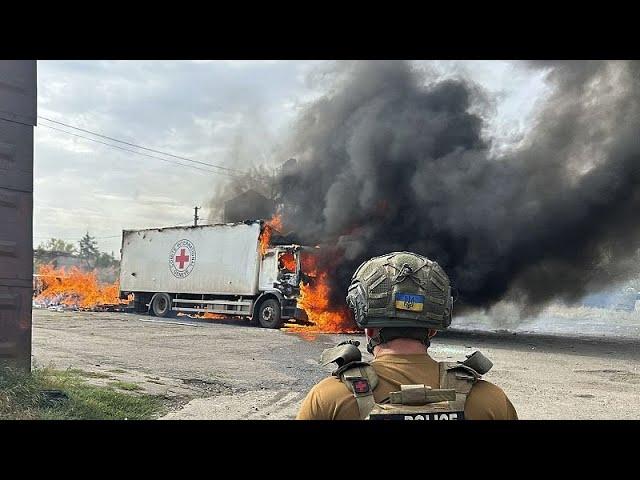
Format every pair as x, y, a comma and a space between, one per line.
269, 314
161, 305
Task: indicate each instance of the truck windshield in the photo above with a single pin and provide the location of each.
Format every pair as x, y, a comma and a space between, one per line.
287, 262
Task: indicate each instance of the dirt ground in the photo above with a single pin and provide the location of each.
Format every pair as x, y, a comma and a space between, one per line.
230, 370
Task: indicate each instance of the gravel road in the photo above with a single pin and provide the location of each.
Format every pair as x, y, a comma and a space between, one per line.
230, 370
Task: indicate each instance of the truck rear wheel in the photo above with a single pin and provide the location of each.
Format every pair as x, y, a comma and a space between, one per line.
161, 305
269, 314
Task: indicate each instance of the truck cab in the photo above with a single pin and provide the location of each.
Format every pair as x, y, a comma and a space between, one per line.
280, 276
280, 269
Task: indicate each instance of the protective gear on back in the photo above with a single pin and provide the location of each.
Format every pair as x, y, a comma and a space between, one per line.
401, 289
412, 402
358, 376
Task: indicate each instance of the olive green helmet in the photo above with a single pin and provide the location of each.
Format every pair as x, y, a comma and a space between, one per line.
401, 289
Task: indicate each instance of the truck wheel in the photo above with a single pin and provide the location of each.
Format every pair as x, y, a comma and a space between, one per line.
161, 305
269, 314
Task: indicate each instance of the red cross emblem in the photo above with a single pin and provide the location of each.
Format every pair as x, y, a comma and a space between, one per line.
360, 385
182, 258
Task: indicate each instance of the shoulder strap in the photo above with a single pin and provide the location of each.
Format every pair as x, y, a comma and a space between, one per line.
361, 379
458, 377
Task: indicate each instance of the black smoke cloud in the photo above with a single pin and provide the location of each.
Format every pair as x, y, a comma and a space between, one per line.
390, 159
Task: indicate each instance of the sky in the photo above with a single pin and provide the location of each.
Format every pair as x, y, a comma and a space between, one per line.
228, 113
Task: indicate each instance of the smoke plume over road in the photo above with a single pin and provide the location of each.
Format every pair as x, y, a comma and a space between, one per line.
390, 159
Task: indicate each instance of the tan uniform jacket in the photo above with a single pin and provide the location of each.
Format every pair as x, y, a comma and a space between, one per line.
331, 399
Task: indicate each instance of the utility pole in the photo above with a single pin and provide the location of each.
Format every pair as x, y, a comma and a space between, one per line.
195, 217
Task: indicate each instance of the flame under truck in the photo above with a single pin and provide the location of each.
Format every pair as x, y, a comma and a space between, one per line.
220, 269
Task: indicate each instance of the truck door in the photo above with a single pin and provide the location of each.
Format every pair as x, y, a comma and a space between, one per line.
268, 271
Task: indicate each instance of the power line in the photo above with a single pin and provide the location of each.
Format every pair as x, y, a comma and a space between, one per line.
144, 148
48, 237
137, 153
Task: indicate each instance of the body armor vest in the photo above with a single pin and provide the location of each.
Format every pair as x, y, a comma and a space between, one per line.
411, 402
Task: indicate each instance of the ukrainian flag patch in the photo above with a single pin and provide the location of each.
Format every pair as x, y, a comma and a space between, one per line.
409, 301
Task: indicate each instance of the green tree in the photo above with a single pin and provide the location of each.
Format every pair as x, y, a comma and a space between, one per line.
46, 251
89, 250
57, 245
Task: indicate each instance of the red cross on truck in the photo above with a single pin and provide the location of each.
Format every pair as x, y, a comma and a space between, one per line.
182, 258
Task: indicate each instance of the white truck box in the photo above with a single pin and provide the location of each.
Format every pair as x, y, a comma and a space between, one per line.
221, 259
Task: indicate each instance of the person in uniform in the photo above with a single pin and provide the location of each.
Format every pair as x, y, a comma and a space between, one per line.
401, 300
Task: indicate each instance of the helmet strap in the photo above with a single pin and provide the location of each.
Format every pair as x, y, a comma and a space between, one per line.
375, 341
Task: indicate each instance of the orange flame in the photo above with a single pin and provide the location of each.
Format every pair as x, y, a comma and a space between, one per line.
206, 315
315, 300
213, 316
76, 288
274, 223
315, 296
288, 261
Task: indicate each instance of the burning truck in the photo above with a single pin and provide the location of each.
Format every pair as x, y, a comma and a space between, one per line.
230, 269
